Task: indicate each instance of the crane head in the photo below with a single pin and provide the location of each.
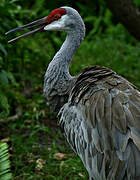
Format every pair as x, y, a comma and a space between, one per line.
62, 19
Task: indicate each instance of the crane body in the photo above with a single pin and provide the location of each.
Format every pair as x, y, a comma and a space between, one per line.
99, 110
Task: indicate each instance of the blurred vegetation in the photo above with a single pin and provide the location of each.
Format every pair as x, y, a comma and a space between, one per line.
22, 68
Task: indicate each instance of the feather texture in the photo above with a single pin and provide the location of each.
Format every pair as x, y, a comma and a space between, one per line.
101, 121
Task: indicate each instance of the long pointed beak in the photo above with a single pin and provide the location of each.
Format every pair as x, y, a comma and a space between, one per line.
40, 22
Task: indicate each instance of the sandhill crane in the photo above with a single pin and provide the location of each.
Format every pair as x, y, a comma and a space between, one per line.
99, 110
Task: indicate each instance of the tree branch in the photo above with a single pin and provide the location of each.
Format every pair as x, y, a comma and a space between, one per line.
127, 13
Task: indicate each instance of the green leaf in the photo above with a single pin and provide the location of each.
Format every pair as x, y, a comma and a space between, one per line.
3, 77
4, 102
5, 173
3, 49
11, 77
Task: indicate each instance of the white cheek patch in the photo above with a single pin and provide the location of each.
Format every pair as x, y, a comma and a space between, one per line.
57, 25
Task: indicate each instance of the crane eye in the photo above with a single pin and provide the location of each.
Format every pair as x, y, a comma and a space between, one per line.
57, 16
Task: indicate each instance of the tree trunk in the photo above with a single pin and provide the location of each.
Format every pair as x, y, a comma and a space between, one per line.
127, 13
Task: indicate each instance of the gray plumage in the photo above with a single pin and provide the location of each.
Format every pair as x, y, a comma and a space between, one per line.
99, 110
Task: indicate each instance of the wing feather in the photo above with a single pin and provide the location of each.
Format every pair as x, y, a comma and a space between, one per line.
103, 116
119, 118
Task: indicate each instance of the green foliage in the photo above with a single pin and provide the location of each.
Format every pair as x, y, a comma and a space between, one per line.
137, 2
15, 62
4, 162
22, 68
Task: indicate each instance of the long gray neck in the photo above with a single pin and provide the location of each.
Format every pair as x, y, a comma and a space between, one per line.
57, 77
67, 50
